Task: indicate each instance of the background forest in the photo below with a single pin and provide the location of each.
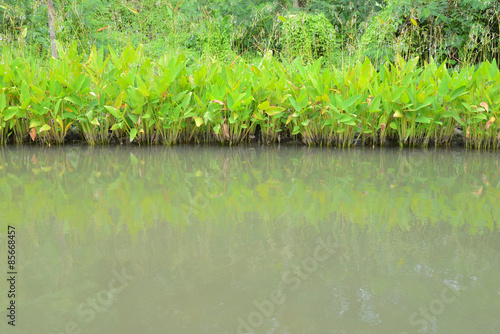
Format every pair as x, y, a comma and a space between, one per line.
465, 31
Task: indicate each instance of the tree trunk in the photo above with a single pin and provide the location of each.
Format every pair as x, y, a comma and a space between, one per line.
52, 31
296, 3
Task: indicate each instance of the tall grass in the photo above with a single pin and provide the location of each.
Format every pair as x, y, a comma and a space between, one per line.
130, 97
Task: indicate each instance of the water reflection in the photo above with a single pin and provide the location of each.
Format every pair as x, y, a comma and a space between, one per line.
250, 239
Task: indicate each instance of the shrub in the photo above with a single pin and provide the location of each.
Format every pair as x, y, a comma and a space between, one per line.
309, 36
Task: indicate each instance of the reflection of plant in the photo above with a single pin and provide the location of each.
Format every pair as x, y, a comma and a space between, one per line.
204, 183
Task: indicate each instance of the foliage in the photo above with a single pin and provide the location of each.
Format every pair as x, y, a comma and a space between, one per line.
308, 36
131, 97
377, 41
258, 30
462, 32
216, 39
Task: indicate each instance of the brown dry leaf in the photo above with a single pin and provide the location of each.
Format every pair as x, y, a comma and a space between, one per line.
217, 101
101, 29
226, 130
491, 120
382, 126
139, 120
33, 134
467, 134
368, 100
485, 106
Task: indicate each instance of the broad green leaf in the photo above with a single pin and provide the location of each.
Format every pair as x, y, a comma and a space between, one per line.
133, 133
116, 126
350, 101
34, 123
443, 86
10, 112
397, 93
481, 116
457, 92
423, 119
113, 111
295, 105
3, 101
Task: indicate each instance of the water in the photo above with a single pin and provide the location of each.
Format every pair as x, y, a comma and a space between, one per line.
251, 239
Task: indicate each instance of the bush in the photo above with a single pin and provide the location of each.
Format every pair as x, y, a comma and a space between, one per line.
309, 36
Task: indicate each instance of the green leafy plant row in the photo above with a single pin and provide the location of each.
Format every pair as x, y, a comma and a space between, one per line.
128, 97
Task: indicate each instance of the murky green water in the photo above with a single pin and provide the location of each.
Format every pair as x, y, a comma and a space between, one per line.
257, 240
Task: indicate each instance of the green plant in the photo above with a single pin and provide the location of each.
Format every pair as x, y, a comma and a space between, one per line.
216, 39
309, 36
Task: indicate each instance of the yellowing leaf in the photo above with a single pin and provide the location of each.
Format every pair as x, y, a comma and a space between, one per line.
131, 9
198, 121
421, 98
414, 22
271, 111
101, 29
258, 116
264, 105
44, 127
397, 114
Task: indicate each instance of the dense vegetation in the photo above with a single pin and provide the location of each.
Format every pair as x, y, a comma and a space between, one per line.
459, 31
327, 73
